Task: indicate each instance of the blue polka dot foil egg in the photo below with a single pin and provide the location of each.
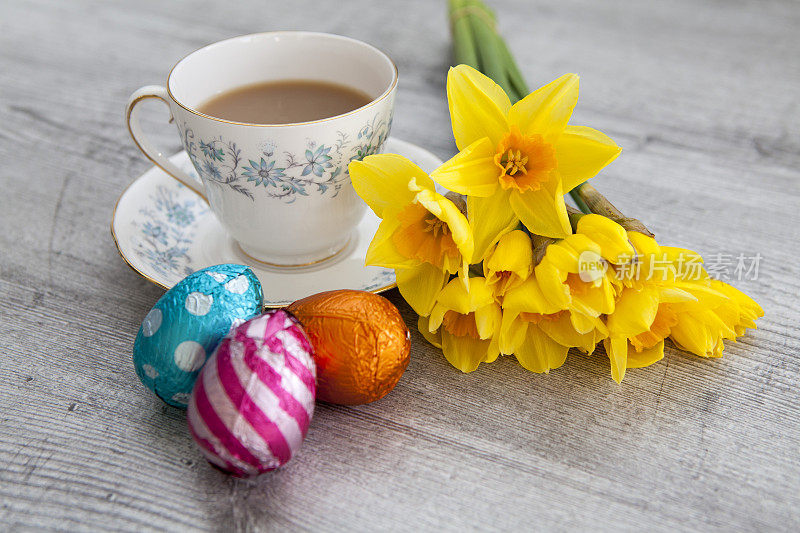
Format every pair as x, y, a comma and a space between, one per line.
185, 326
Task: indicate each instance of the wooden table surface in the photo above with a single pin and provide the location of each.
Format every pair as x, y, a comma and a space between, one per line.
703, 96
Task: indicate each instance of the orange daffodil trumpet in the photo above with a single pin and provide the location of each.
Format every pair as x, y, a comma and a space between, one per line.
514, 272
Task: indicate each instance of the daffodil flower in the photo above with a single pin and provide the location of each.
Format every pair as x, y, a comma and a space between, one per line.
717, 311
465, 323
524, 155
540, 333
641, 287
422, 235
636, 335
690, 322
742, 312
574, 275
509, 263
676, 302
591, 274
674, 308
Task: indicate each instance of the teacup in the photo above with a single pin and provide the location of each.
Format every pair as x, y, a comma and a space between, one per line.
308, 213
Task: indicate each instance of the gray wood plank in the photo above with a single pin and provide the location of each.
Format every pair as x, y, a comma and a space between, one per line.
703, 96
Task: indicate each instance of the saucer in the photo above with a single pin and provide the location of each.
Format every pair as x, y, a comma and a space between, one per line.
165, 232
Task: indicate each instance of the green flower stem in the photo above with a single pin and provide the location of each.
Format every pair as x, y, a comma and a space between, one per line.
515, 77
482, 23
579, 201
464, 50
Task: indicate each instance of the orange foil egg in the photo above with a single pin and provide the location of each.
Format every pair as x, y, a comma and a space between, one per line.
360, 341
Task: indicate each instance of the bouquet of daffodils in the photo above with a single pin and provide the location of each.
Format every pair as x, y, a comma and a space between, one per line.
501, 265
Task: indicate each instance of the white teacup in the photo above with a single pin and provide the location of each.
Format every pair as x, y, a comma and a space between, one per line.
307, 211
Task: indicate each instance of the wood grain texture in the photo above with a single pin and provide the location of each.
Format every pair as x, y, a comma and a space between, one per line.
703, 96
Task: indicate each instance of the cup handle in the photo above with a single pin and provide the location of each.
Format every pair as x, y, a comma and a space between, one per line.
147, 148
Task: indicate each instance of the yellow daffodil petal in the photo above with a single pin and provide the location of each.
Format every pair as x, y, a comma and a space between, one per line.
666, 317
513, 253
465, 353
646, 357
478, 106
551, 283
617, 350
529, 298
489, 218
446, 211
510, 262
493, 351
454, 296
539, 352
546, 111
634, 312
563, 257
644, 245
581, 243
487, 320
571, 254
673, 294
693, 334
702, 295
382, 251
581, 153
436, 317
543, 212
609, 236
748, 306
381, 180
420, 285
688, 263
593, 301
471, 171
608, 299
433, 337
512, 332
562, 331
724, 321
673, 253
581, 322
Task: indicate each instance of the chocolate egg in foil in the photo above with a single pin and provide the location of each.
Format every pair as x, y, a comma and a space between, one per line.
361, 344
186, 325
253, 401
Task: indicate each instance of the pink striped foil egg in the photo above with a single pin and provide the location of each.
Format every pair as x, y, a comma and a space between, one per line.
253, 401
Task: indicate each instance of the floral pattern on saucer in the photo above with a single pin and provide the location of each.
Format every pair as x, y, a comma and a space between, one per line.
166, 229
321, 169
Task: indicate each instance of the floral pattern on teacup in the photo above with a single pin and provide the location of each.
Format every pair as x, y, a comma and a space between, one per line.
320, 170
